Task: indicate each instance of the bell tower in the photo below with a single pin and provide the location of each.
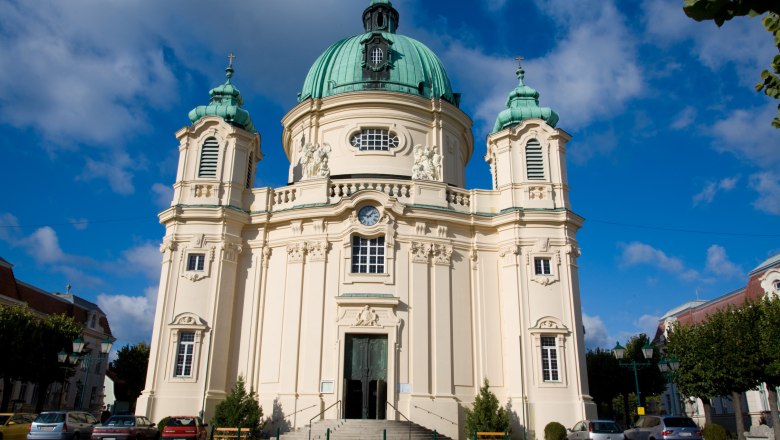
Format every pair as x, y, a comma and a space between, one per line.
218, 153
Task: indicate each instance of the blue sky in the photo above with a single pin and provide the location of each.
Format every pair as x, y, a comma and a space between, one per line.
673, 161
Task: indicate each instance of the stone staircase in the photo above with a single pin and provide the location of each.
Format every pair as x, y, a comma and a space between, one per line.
356, 429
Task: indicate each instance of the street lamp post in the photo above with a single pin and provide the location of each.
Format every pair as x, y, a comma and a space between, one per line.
668, 366
78, 356
647, 352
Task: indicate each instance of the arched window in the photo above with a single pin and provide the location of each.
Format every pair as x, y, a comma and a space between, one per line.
368, 255
209, 154
376, 56
534, 161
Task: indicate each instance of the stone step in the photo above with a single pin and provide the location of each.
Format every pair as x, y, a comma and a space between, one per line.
357, 429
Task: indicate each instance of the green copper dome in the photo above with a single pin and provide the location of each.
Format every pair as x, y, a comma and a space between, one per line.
226, 103
378, 59
522, 104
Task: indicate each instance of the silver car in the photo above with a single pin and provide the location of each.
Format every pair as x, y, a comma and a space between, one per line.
664, 428
62, 425
595, 430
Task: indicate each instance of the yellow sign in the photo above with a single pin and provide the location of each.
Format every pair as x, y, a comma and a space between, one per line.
640, 410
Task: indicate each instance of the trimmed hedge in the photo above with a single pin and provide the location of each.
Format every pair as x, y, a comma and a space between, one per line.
556, 431
713, 431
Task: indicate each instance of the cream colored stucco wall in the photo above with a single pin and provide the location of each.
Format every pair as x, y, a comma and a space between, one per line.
458, 300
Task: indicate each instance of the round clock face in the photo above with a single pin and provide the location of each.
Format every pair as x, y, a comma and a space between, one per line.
368, 215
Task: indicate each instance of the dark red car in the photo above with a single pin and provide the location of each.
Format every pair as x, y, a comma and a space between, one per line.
184, 428
125, 428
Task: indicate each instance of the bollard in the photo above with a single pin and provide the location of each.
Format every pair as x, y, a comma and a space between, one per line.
384, 434
327, 434
435, 435
212, 433
278, 431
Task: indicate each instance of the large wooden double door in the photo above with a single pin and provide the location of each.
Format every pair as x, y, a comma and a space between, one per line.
365, 376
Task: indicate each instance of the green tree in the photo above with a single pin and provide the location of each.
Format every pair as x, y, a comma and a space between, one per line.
21, 329
696, 375
130, 369
486, 415
721, 11
51, 335
554, 431
239, 409
651, 380
769, 345
17, 325
603, 368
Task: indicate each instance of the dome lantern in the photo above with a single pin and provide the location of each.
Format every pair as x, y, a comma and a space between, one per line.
225, 102
380, 16
522, 104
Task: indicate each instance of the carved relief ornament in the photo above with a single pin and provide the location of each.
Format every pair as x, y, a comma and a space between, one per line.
509, 254
317, 250
442, 254
420, 251
296, 252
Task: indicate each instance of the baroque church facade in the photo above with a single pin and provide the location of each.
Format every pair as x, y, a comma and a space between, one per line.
373, 285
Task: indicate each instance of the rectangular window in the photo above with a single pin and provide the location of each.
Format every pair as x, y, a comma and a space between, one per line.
549, 359
195, 262
184, 354
542, 266
368, 255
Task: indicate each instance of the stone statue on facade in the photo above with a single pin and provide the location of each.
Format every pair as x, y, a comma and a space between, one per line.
314, 161
427, 163
367, 317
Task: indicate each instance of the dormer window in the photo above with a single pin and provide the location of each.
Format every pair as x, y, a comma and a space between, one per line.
376, 56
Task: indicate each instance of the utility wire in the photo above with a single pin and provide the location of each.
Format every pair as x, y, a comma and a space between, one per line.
689, 231
80, 222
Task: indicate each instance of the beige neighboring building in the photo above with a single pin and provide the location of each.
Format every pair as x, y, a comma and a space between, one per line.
374, 278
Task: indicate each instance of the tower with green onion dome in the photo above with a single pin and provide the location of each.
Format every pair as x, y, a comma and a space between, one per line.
219, 151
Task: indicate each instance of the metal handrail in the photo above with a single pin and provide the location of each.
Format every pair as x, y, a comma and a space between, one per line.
402, 415
434, 414
338, 402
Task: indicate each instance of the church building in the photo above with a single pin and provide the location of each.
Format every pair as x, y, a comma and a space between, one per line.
373, 285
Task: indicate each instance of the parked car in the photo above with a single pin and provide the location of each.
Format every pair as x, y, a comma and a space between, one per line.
595, 430
184, 428
664, 428
62, 425
14, 426
126, 428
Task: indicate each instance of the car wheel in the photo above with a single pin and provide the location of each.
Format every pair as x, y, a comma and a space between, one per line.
75, 436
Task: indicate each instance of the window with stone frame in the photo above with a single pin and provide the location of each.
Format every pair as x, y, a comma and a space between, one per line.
368, 255
542, 266
184, 354
550, 367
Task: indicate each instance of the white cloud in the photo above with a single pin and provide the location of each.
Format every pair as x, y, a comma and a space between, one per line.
590, 74
44, 246
131, 317
595, 331
9, 227
684, 119
719, 264
748, 135
144, 258
647, 324
163, 194
79, 224
707, 194
666, 24
636, 253
116, 169
767, 184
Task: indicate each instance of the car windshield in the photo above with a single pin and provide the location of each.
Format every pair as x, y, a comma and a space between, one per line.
120, 421
4, 419
605, 428
50, 418
182, 422
680, 422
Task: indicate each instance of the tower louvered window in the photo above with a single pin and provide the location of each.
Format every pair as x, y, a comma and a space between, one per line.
534, 161
209, 154
249, 170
